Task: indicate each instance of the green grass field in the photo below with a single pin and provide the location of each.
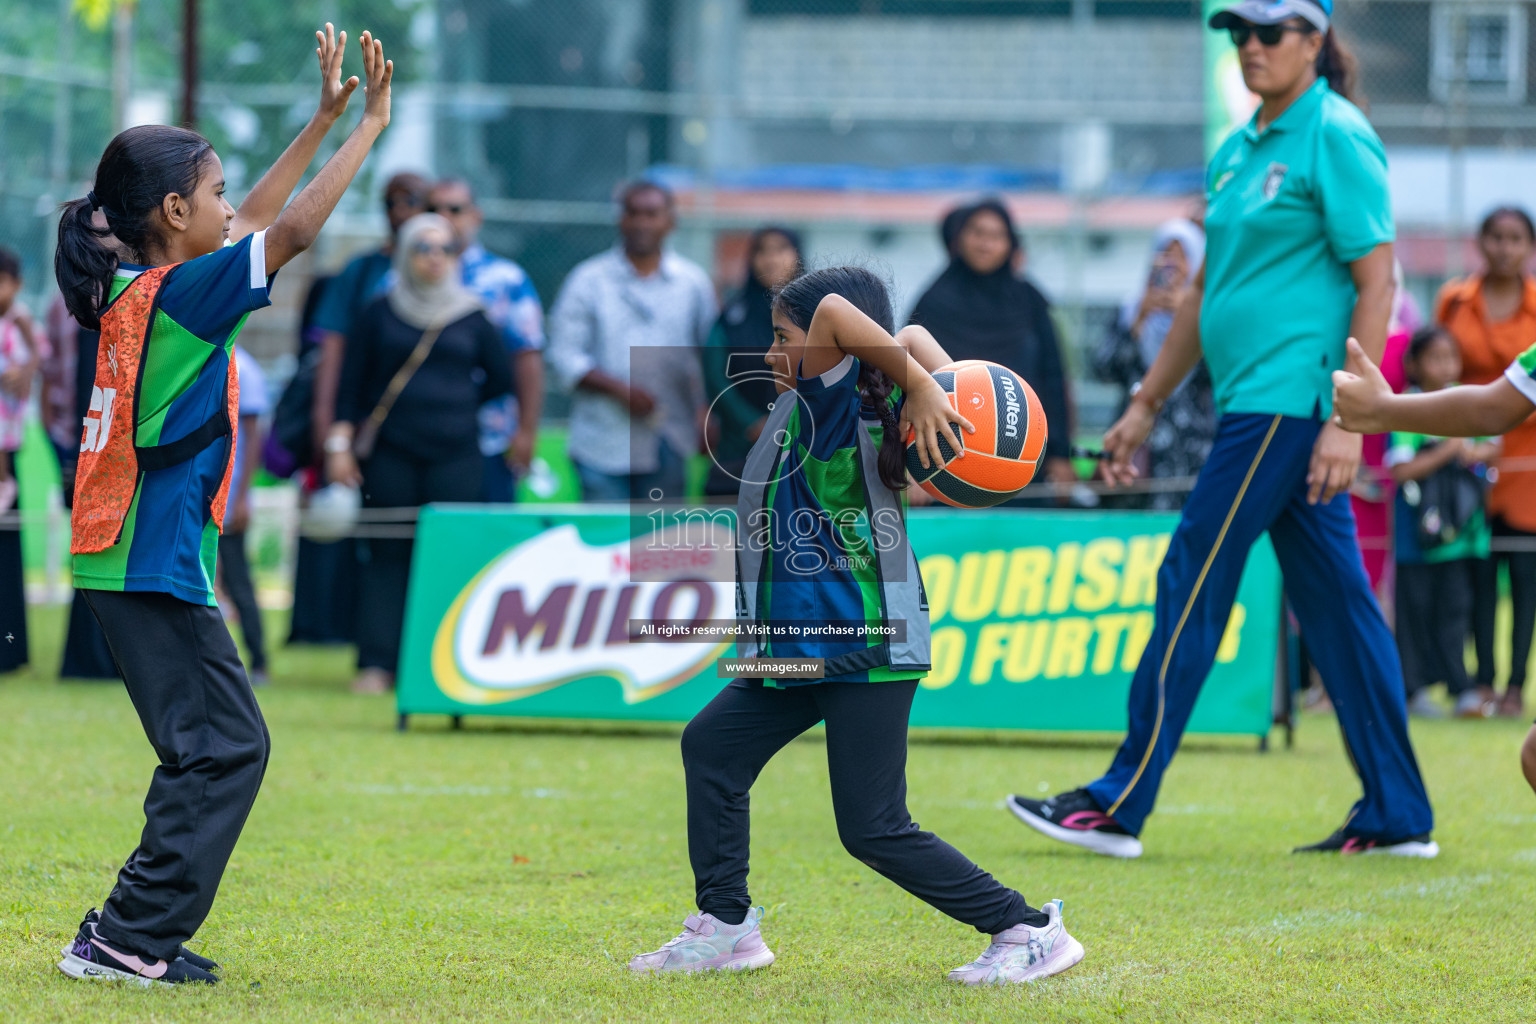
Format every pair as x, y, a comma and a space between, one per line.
507, 873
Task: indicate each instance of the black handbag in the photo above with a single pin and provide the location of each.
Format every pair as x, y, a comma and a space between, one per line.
292, 419
1445, 503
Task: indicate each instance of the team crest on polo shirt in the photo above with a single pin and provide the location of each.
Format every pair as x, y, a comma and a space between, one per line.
1273, 179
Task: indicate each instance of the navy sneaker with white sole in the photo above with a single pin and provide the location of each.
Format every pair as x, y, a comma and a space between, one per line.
89, 958
202, 963
1075, 817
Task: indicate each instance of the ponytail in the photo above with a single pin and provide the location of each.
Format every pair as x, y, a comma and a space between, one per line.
82, 264
1338, 65
798, 300
140, 167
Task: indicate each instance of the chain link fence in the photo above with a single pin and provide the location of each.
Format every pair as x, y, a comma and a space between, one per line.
857, 121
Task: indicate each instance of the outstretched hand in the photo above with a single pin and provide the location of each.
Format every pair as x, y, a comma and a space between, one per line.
334, 93
378, 73
1360, 393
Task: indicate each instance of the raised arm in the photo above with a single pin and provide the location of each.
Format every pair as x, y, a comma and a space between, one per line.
266, 200
839, 327
297, 227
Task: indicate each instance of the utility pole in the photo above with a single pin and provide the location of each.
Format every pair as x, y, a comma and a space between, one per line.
189, 63
122, 62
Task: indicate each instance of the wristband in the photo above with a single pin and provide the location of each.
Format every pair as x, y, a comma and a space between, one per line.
337, 444
1137, 396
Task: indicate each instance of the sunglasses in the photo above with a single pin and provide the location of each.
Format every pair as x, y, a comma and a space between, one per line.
408, 202
434, 249
1269, 35
454, 210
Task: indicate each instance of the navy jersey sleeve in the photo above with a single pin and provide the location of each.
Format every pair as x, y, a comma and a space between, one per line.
210, 295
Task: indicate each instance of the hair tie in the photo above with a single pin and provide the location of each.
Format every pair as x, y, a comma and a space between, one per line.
90, 197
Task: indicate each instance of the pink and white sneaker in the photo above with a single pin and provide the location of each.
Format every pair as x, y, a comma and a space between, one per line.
1023, 954
709, 944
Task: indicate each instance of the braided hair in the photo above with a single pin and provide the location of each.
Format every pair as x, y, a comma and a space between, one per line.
798, 300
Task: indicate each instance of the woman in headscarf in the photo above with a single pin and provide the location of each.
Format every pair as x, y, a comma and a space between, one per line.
980, 308
1181, 439
738, 391
421, 359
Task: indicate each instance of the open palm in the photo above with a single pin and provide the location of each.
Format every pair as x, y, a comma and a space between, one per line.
334, 93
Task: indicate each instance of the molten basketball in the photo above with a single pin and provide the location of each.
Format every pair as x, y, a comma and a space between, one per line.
1000, 458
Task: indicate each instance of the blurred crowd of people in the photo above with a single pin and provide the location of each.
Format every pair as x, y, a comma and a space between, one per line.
422, 374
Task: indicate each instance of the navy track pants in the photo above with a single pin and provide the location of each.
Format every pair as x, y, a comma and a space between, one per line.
1256, 480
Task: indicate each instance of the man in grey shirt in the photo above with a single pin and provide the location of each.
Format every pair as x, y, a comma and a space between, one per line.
624, 336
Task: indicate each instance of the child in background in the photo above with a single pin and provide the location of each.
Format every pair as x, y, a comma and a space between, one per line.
1436, 558
1363, 402
18, 365
234, 567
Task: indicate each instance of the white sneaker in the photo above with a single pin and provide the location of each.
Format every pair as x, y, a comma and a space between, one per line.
1023, 954
709, 944
1473, 705
1424, 706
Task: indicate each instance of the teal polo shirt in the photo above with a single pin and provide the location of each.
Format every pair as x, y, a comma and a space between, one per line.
1288, 210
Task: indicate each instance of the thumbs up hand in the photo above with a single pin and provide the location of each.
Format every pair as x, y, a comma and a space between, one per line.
1360, 393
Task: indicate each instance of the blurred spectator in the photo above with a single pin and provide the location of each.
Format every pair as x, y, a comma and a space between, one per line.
1372, 494
1492, 316
738, 393
325, 574
86, 654
980, 308
18, 365
1182, 436
509, 427
56, 400
234, 567
624, 335
349, 292
421, 360
1442, 535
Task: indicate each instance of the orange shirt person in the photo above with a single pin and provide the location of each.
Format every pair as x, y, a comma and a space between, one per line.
1492, 316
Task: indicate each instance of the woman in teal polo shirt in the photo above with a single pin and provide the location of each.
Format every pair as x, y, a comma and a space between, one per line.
1298, 259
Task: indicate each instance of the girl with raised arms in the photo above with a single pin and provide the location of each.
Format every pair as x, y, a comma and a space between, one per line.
158, 260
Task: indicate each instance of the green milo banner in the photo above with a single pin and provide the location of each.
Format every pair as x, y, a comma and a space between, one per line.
1039, 619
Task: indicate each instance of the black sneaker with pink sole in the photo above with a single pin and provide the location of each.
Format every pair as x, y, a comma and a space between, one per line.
1075, 817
